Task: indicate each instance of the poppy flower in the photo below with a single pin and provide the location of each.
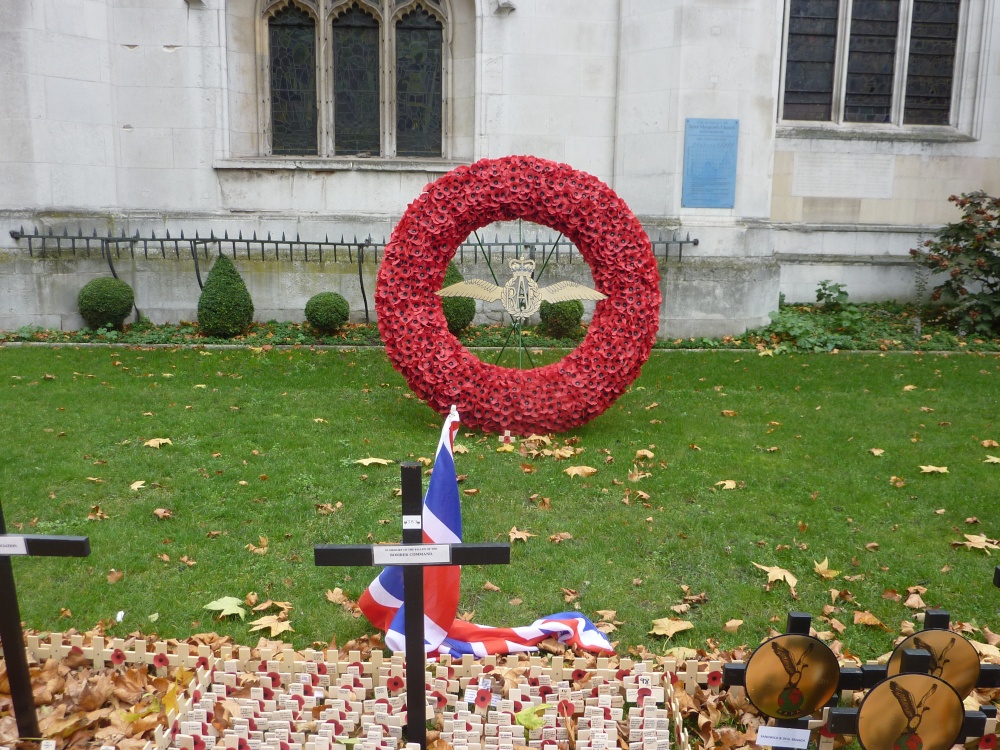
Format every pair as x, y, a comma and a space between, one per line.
394, 683
483, 698
825, 731
268, 694
674, 679
117, 657
545, 691
565, 709
198, 743
441, 371
487, 668
988, 742
161, 660
202, 663
714, 678
321, 668
242, 744
579, 674
275, 679
642, 693
441, 700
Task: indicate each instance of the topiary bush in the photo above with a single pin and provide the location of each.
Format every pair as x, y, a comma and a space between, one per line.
225, 308
561, 320
458, 311
105, 302
327, 312
968, 252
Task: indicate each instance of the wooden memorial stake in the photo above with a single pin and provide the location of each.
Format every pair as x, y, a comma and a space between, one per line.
413, 554
11, 636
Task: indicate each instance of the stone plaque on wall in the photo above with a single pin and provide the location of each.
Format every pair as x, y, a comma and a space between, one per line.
825, 175
710, 147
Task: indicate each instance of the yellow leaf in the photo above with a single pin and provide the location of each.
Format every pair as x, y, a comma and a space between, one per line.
776, 574
580, 471
989, 444
823, 569
138, 485
729, 413
506, 448
157, 442
867, 618
643, 453
933, 469
490, 587
726, 484
877, 451
273, 622
991, 459
519, 534
369, 461
670, 626
732, 626
459, 448
908, 388
261, 550
320, 420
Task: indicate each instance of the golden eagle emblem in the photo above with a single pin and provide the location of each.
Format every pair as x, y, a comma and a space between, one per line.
521, 297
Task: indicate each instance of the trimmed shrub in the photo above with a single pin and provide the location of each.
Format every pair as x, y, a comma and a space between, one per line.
105, 302
327, 312
561, 320
224, 307
458, 311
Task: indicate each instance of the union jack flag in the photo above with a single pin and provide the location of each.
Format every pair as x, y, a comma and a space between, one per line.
382, 602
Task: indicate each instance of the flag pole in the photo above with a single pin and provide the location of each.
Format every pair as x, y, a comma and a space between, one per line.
413, 586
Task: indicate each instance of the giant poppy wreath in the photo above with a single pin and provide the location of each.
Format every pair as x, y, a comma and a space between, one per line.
559, 396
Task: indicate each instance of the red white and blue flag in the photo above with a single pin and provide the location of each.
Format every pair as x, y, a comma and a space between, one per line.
382, 603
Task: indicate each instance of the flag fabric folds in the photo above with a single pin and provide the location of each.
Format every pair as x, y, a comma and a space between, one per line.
382, 602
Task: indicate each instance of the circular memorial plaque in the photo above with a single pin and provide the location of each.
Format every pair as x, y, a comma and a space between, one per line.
791, 676
953, 658
910, 712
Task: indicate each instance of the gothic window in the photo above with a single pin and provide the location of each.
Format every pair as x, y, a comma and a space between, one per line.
355, 77
871, 61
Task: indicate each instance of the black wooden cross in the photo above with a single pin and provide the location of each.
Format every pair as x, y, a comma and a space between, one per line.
412, 554
10, 615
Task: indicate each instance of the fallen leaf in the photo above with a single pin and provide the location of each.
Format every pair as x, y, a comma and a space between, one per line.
872, 546
96, 514
370, 461
775, 574
913, 601
516, 534
670, 626
570, 595
933, 469
989, 444
157, 442
636, 474
867, 618
991, 459
136, 486
114, 576
652, 406
823, 569
580, 471
643, 453
459, 448
470, 492
972, 520
560, 537
95, 480
940, 512
490, 587
528, 468
163, 513
729, 413
226, 606
877, 451
732, 626
907, 388
897, 481
261, 550
978, 541
320, 420
273, 622
726, 484
926, 409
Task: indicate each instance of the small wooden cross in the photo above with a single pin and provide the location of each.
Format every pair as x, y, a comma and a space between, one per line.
11, 635
413, 554
506, 438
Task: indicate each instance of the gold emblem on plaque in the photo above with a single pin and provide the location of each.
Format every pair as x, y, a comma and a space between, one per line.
521, 297
910, 712
791, 676
953, 658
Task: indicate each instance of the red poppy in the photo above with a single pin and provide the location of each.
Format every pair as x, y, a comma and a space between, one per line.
198, 742
202, 663
988, 742
394, 683
565, 708
533, 681
545, 691
483, 698
621, 674
275, 679
559, 396
825, 731
674, 679
579, 674
487, 668
242, 744
161, 660
642, 693
117, 657
268, 694
440, 698
714, 678
321, 668
385, 704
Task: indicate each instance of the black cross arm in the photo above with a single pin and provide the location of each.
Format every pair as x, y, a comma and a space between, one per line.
345, 555
57, 546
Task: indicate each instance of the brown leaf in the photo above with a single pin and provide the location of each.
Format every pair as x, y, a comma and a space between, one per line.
528, 468
114, 576
276, 625
570, 595
96, 514
580, 471
876, 451
643, 454
163, 513
897, 481
872, 546
823, 569
989, 444
516, 601
776, 574
470, 492
978, 541
261, 550
157, 442
490, 587
913, 601
892, 595
732, 626
729, 413
560, 537
867, 618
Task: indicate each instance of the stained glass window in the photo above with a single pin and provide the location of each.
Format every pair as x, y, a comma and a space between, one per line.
812, 49
874, 28
292, 39
356, 84
418, 84
931, 65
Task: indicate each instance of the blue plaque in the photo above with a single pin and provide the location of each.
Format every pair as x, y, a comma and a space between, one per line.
709, 163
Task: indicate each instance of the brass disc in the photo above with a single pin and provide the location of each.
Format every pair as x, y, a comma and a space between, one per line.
953, 658
791, 676
910, 712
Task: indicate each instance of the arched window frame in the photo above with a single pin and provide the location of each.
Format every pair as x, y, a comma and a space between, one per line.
387, 12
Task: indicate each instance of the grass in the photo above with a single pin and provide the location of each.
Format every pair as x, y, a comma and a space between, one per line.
260, 438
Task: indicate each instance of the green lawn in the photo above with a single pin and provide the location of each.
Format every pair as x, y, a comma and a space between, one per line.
259, 439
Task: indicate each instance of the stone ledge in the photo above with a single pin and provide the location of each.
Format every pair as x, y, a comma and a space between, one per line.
339, 164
